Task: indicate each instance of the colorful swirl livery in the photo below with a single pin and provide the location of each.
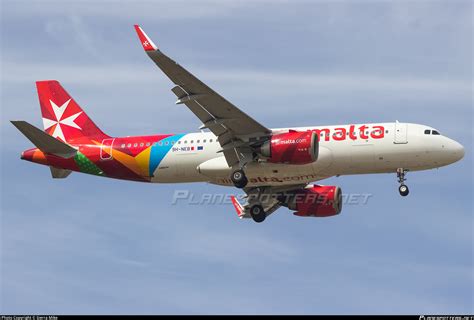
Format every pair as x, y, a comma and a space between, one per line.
275, 167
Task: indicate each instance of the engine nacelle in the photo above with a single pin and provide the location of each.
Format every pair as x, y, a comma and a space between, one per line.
294, 147
317, 201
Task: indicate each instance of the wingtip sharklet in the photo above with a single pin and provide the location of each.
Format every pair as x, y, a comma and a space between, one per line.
238, 207
146, 42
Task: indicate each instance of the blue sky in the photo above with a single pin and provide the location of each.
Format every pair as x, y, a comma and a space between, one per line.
93, 245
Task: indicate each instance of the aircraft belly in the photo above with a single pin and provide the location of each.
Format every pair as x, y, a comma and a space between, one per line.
269, 174
179, 168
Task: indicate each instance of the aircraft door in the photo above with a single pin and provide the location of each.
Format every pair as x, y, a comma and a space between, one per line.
106, 149
400, 135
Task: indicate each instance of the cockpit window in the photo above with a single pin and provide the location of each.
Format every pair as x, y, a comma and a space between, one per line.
427, 131
435, 132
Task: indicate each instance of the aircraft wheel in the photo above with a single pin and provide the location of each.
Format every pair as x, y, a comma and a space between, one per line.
403, 189
239, 179
257, 213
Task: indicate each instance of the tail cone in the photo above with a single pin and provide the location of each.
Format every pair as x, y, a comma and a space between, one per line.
34, 155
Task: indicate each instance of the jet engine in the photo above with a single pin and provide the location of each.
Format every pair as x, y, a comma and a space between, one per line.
294, 147
315, 201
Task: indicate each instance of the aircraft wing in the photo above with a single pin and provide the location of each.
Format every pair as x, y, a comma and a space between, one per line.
233, 127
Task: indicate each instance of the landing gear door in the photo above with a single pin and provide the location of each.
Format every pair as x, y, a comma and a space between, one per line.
400, 133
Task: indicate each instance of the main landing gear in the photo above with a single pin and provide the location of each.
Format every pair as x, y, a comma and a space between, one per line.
403, 189
257, 213
239, 179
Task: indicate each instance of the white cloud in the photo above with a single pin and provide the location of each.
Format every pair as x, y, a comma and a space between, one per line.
73, 32
113, 9
267, 82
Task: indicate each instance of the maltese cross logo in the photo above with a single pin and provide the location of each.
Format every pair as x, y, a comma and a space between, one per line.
58, 122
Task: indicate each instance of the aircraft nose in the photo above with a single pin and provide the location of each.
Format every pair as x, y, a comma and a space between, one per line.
457, 150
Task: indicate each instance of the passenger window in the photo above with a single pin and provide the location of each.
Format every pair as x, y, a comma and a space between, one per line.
172, 142
166, 143
179, 142
147, 144
135, 145
436, 132
142, 144
185, 141
191, 141
427, 131
123, 146
204, 141
129, 145
210, 140
160, 143
197, 141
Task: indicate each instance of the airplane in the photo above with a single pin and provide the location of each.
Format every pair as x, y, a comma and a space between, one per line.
274, 167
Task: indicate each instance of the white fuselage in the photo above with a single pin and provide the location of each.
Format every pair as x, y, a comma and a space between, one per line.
343, 150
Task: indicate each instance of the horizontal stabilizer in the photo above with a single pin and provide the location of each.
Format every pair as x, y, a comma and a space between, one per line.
44, 141
58, 173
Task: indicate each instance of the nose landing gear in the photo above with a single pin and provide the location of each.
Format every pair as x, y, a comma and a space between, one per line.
403, 189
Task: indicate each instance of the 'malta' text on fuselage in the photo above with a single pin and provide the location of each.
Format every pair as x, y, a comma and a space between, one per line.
353, 133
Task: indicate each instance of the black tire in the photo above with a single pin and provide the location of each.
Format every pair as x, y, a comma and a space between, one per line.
257, 213
239, 179
403, 189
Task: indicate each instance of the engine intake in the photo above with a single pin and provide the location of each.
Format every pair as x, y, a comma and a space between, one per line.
294, 147
316, 201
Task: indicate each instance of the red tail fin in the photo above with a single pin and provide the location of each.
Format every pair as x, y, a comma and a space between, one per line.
63, 118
